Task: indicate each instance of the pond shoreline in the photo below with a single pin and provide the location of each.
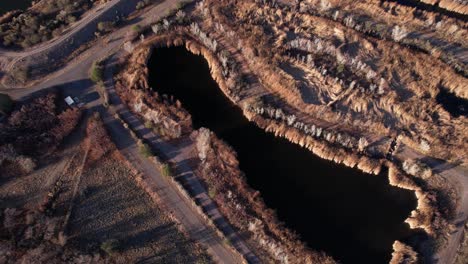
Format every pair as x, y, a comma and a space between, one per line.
193, 47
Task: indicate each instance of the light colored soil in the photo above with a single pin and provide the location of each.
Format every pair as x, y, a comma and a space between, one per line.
110, 205
96, 201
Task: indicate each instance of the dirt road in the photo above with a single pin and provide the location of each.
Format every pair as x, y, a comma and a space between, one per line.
180, 157
74, 77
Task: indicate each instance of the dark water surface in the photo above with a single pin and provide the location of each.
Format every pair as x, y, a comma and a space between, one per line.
352, 216
8, 5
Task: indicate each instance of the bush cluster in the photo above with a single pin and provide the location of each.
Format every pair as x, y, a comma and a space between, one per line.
48, 21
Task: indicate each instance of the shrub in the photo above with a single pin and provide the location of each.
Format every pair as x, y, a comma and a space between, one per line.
203, 143
417, 168
212, 193
110, 246
96, 75
166, 170
149, 124
136, 28
105, 26
26, 164
21, 73
143, 3
183, 4
145, 150
340, 68
41, 24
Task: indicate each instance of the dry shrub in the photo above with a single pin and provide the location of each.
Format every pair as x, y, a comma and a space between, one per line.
97, 140
403, 254
243, 206
33, 131
407, 101
29, 236
68, 120
162, 112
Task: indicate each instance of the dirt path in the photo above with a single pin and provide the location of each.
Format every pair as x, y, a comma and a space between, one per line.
457, 176
194, 223
92, 15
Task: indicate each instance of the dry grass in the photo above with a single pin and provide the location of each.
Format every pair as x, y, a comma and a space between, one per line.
244, 208
78, 202
394, 90
350, 74
462, 254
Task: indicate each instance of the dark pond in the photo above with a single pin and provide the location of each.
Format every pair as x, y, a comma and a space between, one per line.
456, 106
354, 217
8, 5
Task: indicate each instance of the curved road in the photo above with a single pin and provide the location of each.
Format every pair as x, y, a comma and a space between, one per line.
91, 15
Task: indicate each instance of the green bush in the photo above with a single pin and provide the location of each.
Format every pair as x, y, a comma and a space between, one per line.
145, 150
212, 193
110, 246
97, 72
340, 68
105, 26
149, 124
166, 170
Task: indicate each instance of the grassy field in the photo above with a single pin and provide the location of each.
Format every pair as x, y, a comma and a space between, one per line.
82, 204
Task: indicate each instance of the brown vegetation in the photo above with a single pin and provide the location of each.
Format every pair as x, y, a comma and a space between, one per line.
458, 6
334, 82
347, 78
42, 22
34, 131
87, 208
244, 207
226, 162
403, 254
130, 226
162, 113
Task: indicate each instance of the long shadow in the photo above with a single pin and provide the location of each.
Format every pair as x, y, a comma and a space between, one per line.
76, 88
439, 166
93, 223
